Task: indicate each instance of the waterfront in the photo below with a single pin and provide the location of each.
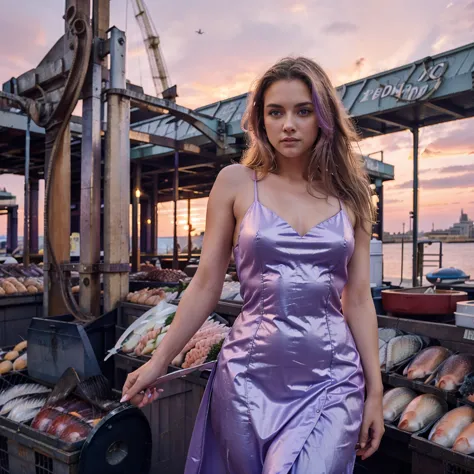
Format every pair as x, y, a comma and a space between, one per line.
454, 255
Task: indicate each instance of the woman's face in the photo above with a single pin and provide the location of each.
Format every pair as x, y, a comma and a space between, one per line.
289, 118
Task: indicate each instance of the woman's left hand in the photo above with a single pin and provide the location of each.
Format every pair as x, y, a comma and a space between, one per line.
372, 428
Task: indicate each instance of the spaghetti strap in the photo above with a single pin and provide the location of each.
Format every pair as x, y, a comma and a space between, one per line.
341, 207
255, 186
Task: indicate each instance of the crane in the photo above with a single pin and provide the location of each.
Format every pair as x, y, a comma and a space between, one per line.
155, 55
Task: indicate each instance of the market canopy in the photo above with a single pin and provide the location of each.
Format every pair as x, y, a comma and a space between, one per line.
433, 90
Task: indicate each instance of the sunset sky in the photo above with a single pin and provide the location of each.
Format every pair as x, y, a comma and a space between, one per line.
350, 39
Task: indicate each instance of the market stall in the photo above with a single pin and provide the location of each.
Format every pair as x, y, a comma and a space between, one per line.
428, 363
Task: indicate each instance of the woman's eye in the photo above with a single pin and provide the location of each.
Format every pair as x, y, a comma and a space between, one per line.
305, 112
274, 113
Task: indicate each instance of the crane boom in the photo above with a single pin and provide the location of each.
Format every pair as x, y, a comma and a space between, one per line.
155, 56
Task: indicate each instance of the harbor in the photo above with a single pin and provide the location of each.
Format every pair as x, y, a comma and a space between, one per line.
121, 192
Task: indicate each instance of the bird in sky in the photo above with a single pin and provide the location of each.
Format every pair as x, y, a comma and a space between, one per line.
200, 32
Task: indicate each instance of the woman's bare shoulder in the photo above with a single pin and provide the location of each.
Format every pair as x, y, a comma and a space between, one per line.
234, 175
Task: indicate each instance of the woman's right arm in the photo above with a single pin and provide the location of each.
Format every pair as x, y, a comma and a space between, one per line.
202, 294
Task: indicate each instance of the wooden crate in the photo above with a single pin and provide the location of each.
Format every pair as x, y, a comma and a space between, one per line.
171, 417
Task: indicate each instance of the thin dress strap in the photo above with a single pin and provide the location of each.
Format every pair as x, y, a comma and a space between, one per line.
255, 186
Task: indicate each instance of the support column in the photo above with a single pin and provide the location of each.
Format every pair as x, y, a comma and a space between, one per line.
190, 240
89, 296
58, 224
26, 217
175, 202
34, 207
117, 178
415, 207
148, 222
12, 229
136, 193
144, 226
154, 216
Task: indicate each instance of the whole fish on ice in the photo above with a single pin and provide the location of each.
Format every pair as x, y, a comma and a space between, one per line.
421, 412
447, 430
395, 401
451, 374
426, 362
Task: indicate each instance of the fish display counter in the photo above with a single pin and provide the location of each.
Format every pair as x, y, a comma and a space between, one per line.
427, 369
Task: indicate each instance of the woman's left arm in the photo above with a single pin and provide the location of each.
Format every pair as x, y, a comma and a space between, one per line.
359, 312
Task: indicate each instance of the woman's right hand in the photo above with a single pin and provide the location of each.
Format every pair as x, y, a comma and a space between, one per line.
137, 381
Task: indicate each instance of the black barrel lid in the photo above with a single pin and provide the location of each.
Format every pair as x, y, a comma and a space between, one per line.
120, 444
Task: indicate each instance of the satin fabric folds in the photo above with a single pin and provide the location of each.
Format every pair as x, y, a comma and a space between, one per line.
287, 393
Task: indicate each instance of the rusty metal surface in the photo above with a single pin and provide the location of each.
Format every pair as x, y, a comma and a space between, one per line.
89, 295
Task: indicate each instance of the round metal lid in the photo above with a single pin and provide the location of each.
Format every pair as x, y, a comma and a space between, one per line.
120, 444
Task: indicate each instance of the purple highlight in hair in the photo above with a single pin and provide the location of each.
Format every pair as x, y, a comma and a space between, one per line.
327, 129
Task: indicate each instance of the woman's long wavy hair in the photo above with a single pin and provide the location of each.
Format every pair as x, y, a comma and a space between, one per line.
334, 165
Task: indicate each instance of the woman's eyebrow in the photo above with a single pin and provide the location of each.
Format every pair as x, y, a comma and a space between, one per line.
301, 104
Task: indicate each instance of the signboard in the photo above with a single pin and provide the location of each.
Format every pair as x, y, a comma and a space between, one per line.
421, 88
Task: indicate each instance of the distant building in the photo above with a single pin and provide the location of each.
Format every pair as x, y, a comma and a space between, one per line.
464, 228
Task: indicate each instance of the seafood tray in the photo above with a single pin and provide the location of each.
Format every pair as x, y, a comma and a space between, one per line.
119, 442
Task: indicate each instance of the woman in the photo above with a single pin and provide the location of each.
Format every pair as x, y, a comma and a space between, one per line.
287, 394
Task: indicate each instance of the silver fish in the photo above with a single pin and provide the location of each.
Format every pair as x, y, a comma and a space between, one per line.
19, 401
421, 412
400, 348
395, 401
426, 362
23, 416
452, 372
446, 431
22, 389
18, 411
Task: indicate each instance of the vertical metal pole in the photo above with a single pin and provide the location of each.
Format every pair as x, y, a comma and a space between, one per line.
135, 218
175, 201
90, 210
26, 224
34, 207
59, 219
117, 178
415, 206
148, 222
403, 251
12, 229
190, 240
154, 216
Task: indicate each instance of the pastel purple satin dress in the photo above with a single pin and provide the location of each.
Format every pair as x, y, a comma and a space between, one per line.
287, 393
